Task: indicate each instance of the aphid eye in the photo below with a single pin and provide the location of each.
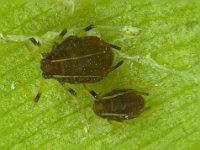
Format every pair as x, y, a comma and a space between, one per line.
46, 76
45, 61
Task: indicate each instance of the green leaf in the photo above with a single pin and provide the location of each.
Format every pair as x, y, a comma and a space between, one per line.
162, 60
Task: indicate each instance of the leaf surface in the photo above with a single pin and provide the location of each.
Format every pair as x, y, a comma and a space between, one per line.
165, 54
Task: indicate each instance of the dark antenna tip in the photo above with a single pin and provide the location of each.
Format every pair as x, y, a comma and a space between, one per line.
63, 32
117, 65
72, 91
36, 99
34, 41
90, 27
93, 93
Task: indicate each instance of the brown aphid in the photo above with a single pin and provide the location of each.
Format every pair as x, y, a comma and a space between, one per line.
76, 59
119, 105
79, 59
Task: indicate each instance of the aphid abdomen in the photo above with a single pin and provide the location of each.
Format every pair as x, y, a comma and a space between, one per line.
119, 105
89, 69
81, 60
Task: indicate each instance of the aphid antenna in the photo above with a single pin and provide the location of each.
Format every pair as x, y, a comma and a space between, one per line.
93, 93
90, 27
117, 65
73, 92
83, 32
70, 90
63, 32
141, 93
34, 41
60, 38
114, 46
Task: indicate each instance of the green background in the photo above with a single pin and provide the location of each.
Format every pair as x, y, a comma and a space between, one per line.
165, 53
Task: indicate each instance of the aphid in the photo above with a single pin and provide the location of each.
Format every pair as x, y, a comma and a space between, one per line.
119, 105
76, 59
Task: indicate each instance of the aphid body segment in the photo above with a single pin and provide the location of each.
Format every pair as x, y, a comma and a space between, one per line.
119, 104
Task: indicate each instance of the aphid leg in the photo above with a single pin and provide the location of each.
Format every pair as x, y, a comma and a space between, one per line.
80, 103
34, 41
131, 121
86, 120
141, 93
144, 93
60, 38
146, 108
94, 121
23, 86
93, 93
92, 125
115, 123
117, 65
84, 31
90, 27
70, 90
114, 46
119, 125
35, 54
63, 32
40, 91
141, 116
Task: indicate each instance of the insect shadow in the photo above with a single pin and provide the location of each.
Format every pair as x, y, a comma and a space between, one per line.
77, 60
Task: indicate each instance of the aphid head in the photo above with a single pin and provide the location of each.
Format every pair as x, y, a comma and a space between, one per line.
98, 107
47, 68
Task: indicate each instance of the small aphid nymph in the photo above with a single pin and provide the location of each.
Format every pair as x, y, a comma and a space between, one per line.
119, 105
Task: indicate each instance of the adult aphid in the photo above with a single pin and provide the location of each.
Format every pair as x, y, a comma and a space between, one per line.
76, 59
